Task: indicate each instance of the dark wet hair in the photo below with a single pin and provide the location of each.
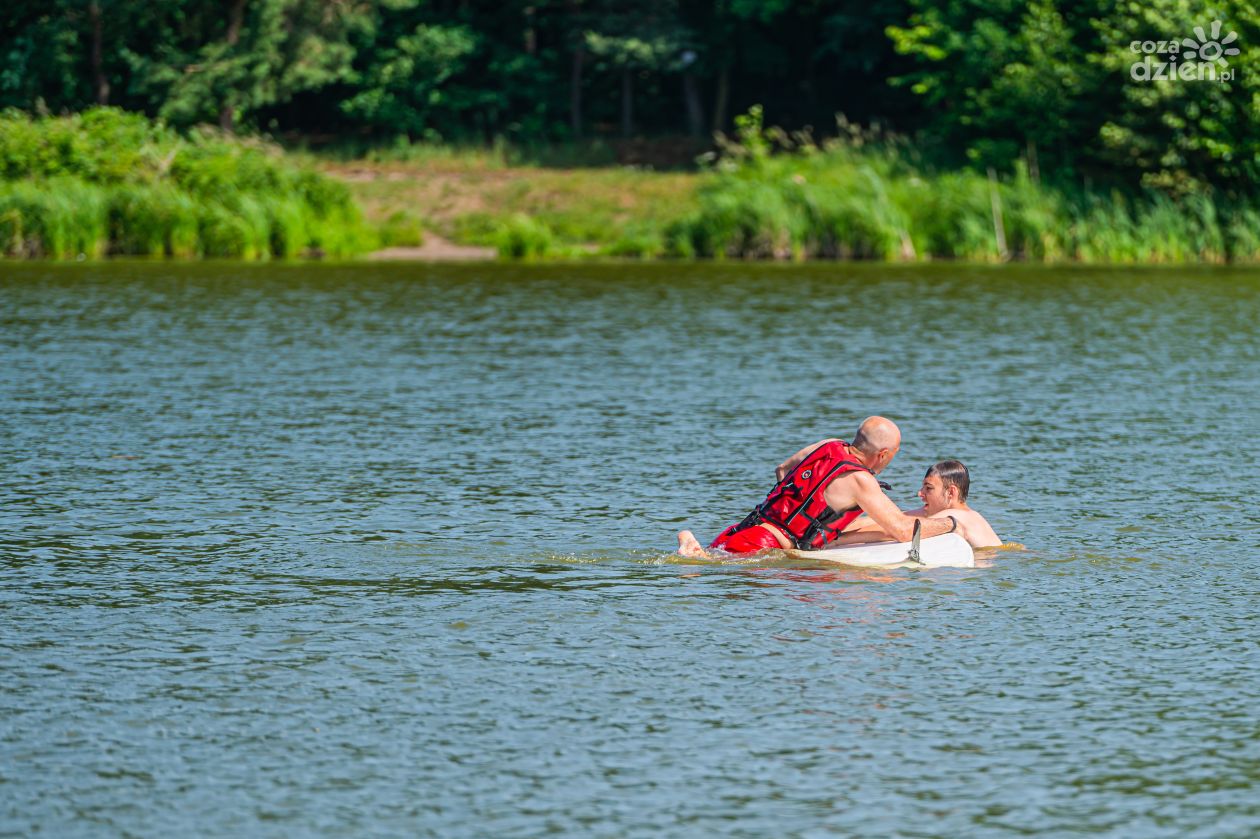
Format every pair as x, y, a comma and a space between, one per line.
952, 473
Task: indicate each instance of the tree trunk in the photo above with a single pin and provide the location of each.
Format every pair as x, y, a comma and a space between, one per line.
236, 19
627, 102
575, 91
531, 34
575, 68
722, 97
695, 111
1034, 168
99, 82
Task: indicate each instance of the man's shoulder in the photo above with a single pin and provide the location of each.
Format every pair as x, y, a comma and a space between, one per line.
850, 486
856, 476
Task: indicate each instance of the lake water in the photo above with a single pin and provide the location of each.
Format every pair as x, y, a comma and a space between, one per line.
385, 550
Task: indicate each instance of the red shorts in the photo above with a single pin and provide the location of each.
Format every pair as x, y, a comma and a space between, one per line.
750, 540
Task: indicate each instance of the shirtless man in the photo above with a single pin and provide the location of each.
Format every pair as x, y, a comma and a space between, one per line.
820, 490
944, 493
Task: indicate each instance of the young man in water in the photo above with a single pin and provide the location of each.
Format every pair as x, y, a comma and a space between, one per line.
820, 490
944, 493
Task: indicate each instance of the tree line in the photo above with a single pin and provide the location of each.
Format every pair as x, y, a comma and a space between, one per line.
1078, 93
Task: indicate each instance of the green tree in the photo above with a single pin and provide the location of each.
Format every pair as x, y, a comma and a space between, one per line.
226, 63
480, 69
42, 55
402, 87
1178, 135
1002, 80
629, 54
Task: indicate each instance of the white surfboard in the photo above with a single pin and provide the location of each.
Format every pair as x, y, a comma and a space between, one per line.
948, 551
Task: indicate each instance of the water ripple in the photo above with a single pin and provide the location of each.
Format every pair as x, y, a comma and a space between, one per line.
385, 550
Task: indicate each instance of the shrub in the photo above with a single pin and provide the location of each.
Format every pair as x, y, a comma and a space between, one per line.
61, 218
403, 230
521, 237
110, 180
636, 242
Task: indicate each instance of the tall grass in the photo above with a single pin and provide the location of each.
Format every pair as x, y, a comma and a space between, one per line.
770, 196
61, 218
111, 182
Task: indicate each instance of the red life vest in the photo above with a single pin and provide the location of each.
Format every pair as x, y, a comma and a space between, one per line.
796, 505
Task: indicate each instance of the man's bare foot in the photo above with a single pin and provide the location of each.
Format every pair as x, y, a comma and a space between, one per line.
689, 545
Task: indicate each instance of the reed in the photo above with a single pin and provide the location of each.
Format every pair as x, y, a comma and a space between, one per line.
636, 241
1242, 233
867, 197
155, 220
60, 218
520, 237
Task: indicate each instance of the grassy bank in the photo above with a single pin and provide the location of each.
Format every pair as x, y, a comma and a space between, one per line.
765, 195
524, 208
107, 182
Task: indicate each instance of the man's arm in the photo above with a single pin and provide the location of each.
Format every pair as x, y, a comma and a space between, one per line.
898, 525
859, 537
862, 524
795, 460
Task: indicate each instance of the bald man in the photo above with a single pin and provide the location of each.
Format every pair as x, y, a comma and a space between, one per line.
820, 490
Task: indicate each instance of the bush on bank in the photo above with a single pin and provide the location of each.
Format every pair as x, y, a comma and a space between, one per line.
109, 182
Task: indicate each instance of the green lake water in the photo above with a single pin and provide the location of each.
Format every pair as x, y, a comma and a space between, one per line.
385, 550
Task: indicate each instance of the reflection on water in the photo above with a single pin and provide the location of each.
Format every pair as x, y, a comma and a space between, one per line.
385, 549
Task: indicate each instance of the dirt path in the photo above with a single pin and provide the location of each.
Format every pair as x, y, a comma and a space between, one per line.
435, 249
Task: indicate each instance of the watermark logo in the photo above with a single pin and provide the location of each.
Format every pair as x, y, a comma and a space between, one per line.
1186, 59
1211, 49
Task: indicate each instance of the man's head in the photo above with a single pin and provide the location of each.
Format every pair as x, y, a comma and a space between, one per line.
878, 440
945, 486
